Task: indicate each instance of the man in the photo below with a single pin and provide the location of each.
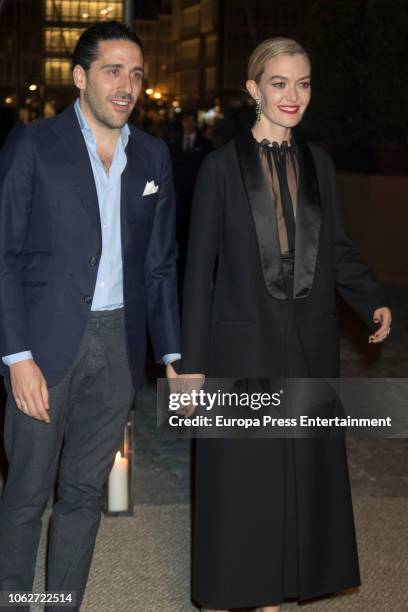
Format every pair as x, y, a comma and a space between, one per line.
188, 151
86, 258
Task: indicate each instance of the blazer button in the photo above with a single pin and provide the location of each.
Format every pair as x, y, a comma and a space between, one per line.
93, 261
87, 299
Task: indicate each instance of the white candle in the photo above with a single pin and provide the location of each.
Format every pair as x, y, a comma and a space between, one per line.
118, 499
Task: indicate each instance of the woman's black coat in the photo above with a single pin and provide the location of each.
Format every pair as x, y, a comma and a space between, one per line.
233, 308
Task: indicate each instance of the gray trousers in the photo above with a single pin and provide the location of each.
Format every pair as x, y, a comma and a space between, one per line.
88, 411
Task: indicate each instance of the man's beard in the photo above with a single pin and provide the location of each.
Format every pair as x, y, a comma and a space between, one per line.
103, 118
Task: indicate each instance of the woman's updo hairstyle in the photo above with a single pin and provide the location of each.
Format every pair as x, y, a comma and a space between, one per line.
271, 47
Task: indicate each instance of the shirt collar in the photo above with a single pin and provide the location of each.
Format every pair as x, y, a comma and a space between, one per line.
87, 132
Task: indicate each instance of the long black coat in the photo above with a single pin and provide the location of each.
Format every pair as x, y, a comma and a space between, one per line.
234, 305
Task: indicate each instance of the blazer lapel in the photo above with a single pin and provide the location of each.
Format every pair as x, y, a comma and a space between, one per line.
308, 221
133, 182
73, 156
264, 214
135, 173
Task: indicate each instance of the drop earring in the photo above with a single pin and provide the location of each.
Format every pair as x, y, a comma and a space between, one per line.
258, 109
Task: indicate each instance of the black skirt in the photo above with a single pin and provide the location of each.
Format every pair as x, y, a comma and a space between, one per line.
259, 533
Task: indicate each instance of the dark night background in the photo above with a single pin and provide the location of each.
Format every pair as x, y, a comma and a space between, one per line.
358, 50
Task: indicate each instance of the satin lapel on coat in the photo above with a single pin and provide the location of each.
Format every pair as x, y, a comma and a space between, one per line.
263, 210
308, 220
73, 156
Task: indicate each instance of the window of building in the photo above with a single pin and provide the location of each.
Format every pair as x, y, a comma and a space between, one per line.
83, 10
208, 15
62, 40
58, 71
211, 47
210, 79
190, 19
190, 51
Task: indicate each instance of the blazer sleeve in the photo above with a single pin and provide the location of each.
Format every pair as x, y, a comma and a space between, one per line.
354, 281
17, 179
203, 247
160, 269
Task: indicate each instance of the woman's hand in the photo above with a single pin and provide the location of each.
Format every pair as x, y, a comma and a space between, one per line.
383, 316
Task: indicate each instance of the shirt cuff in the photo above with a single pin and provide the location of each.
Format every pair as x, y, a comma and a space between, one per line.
16, 357
171, 357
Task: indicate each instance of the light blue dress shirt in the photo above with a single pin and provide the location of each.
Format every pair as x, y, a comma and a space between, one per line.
108, 294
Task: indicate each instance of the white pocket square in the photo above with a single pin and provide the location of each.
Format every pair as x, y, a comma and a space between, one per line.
150, 188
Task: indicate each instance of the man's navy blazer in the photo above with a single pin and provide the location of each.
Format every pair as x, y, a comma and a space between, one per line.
50, 246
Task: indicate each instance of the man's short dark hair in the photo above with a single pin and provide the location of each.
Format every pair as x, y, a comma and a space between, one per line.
86, 50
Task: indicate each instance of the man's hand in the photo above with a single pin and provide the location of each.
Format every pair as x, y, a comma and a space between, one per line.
188, 384
184, 383
170, 371
172, 378
383, 316
30, 389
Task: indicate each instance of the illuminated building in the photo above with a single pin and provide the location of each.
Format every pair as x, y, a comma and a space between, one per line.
196, 51
37, 38
213, 40
64, 22
152, 22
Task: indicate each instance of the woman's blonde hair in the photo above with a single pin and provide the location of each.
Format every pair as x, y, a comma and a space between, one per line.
271, 47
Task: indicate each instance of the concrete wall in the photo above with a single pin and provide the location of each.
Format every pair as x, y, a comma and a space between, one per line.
377, 213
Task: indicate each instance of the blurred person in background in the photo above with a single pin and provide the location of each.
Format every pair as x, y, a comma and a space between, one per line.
188, 150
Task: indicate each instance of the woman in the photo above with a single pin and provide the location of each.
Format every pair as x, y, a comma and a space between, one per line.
267, 250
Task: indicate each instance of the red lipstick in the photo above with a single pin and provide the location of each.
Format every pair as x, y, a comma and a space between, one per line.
290, 110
